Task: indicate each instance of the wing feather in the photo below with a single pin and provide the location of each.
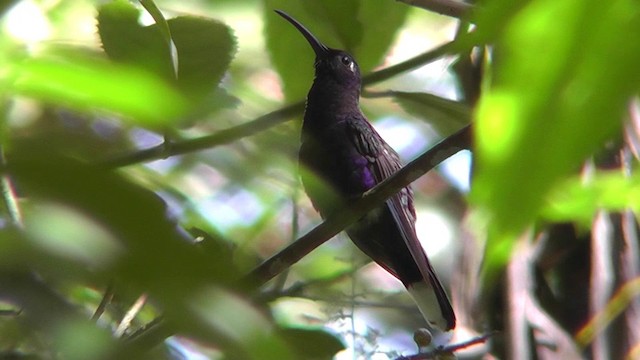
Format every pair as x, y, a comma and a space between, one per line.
384, 162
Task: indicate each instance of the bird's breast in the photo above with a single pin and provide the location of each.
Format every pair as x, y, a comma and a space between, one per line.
330, 163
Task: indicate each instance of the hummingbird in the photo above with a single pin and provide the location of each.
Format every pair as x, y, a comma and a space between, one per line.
342, 156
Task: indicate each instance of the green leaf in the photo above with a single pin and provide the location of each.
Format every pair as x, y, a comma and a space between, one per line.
163, 27
248, 332
354, 26
381, 22
205, 50
579, 200
446, 116
312, 344
154, 256
560, 90
204, 46
88, 84
125, 40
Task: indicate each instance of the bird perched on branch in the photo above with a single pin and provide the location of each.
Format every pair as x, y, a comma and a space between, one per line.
341, 157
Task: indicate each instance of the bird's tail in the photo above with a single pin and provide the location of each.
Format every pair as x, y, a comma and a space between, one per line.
433, 303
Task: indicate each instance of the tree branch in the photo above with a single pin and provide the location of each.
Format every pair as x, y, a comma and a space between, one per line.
221, 137
334, 224
414, 62
449, 348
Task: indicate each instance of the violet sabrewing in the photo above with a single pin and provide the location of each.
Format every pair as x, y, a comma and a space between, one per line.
341, 157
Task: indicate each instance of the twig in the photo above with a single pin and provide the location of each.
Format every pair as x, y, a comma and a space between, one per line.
9, 195
449, 348
219, 138
130, 315
451, 8
334, 224
106, 299
409, 64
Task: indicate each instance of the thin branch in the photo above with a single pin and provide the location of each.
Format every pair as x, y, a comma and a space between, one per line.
221, 137
9, 195
453, 8
106, 299
334, 224
362, 303
263, 122
130, 315
410, 64
433, 354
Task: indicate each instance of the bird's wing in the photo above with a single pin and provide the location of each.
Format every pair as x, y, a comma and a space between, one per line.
384, 162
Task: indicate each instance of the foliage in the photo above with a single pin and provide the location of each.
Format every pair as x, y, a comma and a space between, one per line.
104, 252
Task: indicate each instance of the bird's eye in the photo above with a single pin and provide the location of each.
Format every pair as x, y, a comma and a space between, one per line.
348, 62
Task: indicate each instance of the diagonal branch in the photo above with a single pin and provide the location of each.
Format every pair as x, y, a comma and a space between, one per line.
460, 140
334, 224
263, 122
221, 137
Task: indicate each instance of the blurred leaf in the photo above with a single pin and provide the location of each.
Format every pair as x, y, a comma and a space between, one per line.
70, 235
446, 116
163, 27
125, 40
578, 199
6, 5
324, 264
88, 84
205, 47
354, 26
241, 324
82, 340
186, 282
559, 92
156, 256
313, 344
382, 21
494, 15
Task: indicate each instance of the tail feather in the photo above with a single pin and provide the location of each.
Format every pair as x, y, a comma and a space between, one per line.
433, 303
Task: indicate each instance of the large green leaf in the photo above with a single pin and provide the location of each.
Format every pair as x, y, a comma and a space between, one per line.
559, 91
125, 40
577, 199
355, 26
84, 83
205, 49
204, 46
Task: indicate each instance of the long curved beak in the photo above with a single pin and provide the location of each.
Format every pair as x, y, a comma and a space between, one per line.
319, 48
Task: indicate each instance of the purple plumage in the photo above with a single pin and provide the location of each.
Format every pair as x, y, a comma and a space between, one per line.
342, 156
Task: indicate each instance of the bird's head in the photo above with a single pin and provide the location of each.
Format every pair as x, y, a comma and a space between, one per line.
330, 63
